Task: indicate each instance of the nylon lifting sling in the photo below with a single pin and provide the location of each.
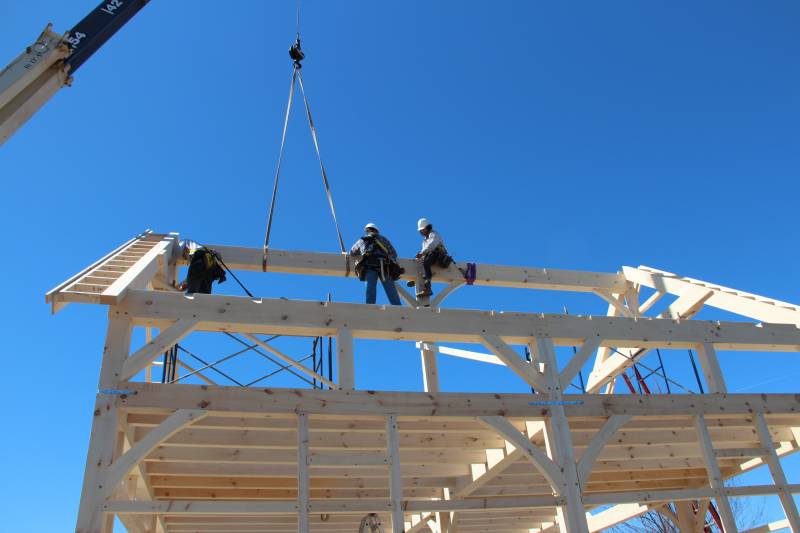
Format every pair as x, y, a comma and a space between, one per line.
297, 55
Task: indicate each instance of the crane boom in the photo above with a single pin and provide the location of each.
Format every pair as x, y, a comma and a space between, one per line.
29, 81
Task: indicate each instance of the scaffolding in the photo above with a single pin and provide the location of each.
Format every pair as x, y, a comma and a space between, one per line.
178, 457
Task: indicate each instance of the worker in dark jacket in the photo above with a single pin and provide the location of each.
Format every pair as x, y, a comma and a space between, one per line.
204, 268
376, 259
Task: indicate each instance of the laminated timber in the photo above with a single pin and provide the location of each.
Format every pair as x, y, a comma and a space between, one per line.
207, 458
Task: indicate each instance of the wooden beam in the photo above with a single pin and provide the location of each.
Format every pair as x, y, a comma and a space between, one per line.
447, 291
655, 297
322, 264
200, 507
302, 474
742, 303
615, 515
505, 353
138, 275
466, 354
168, 338
687, 305
709, 362
381, 403
550, 470
345, 358
558, 438
227, 508
497, 467
104, 430
395, 481
778, 475
591, 453
616, 301
715, 476
430, 370
575, 364
124, 464
277, 316
52, 296
777, 525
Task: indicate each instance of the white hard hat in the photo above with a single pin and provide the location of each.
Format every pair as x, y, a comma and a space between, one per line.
188, 246
371, 226
422, 224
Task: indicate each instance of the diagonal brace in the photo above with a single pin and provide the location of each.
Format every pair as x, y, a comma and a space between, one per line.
549, 469
592, 452
523, 369
128, 461
163, 342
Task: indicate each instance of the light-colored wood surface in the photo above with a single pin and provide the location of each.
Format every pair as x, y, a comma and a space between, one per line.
206, 458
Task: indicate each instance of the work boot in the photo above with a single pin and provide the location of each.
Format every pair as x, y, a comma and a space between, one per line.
426, 290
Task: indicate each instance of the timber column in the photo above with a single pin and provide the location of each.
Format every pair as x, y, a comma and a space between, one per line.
91, 518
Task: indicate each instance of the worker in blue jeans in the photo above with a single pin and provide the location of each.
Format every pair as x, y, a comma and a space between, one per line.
376, 259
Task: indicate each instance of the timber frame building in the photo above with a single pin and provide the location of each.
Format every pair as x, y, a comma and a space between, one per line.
174, 457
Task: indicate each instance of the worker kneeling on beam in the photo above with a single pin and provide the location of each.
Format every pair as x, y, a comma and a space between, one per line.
376, 259
204, 268
432, 253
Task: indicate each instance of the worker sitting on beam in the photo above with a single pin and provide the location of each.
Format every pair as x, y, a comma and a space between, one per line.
432, 253
376, 259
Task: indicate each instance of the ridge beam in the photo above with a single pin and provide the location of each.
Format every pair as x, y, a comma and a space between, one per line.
327, 264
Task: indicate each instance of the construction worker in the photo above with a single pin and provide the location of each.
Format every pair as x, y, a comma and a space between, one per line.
376, 259
432, 253
204, 268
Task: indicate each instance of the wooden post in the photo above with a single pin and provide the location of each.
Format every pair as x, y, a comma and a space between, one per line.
344, 359
686, 517
709, 362
559, 438
778, 475
430, 372
148, 337
395, 481
714, 475
302, 474
91, 518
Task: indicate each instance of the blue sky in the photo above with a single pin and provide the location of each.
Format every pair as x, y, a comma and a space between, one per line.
580, 135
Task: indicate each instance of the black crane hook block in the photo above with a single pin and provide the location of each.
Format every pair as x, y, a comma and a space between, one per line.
296, 53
